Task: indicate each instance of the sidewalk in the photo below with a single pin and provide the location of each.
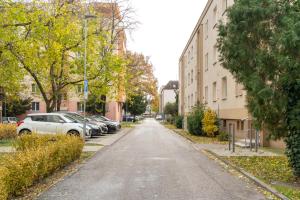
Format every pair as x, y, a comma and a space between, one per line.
96, 144
223, 150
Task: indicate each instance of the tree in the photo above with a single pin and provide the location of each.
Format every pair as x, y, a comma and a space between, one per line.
209, 122
171, 109
137, 104
260, 47
16, 106
45, 41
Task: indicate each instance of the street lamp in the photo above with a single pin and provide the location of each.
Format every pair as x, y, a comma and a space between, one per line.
86, 17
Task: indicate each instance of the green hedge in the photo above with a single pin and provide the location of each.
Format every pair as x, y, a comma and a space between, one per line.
36, 158
8, 131
179, 122
194, 120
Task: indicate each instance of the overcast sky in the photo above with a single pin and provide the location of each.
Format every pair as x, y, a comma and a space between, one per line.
165, 28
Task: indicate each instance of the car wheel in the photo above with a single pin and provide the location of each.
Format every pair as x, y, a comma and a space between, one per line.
25, 132
74, 133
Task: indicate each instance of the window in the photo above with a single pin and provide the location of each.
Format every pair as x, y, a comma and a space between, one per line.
34, 88
215, 91
238, 89
192, 52
206, 94
215, 52
242, 125
39, 118
189, 79
192, 100
54, 119
206, 62
215, 15
188, 101
238, 125
80, 107
224, 6
189, 56
79, 89
206, 29
192, 76
224, 123
224, 87
35, 106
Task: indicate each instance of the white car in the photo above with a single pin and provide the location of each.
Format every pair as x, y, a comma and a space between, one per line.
51, 123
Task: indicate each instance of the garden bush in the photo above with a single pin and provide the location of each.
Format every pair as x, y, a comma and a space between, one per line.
194, 120
8, 131
36, 160
210, 122
179, 122
223, 136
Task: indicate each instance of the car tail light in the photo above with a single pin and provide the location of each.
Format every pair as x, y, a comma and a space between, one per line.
19, 123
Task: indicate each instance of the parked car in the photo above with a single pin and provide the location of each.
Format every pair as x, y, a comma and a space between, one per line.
128, 118
51, 123
100, 127
111, 125
159, 117
9, 120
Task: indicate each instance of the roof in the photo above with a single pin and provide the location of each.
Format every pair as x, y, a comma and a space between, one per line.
171, 85
209, 2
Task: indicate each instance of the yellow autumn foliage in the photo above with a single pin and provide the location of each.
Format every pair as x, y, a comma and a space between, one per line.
35, 160
8, 131
209, 122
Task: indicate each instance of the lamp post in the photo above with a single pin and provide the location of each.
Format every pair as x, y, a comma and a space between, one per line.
86, 17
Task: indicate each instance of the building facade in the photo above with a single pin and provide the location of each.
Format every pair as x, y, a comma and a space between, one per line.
202, 79
167, 94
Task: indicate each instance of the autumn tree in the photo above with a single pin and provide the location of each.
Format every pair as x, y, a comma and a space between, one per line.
260, 47
45, 41
209, 122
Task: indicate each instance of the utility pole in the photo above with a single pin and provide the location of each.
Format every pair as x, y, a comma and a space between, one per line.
1, 102
85, 98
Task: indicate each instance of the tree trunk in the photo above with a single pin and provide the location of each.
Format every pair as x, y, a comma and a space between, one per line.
293, 137
103, 101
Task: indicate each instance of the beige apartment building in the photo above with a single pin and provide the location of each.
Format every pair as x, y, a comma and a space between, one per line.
202, 79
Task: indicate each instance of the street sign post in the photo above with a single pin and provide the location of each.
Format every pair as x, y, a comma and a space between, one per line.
86, 89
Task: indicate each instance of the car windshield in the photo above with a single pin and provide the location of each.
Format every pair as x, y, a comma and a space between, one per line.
76, 117
70, 119
103, 118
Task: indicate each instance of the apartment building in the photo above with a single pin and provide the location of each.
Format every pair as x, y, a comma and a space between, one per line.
202, 79
72, 99
167, 94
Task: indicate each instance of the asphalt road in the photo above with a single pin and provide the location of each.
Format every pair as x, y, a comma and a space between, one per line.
151, 163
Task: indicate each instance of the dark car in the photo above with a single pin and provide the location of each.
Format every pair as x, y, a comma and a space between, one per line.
111, 125
128, 118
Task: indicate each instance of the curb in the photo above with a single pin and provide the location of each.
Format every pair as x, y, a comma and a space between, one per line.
251, 177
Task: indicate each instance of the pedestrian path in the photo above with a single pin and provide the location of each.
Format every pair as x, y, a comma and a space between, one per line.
223, 150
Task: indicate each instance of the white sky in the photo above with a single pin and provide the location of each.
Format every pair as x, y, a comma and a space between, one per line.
165, 28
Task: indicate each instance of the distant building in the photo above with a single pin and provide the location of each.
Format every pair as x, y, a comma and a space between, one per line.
167, 94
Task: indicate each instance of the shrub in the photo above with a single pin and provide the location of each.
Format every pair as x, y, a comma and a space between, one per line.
223, 136
179, 121
194, 120
210, 122
35, 141
36, 160
8, 131
169, 119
